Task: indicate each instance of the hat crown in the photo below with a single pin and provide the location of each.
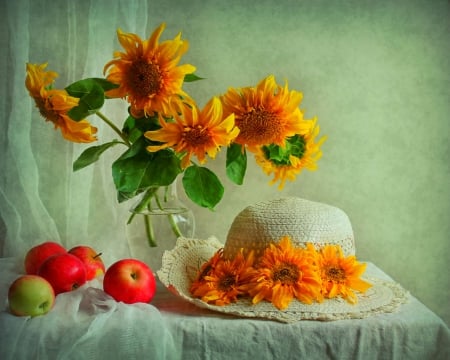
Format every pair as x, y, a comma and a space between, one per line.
258, 225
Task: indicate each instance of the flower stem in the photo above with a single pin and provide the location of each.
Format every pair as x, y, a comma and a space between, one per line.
176, 230
114, 127
145, 204
149, 231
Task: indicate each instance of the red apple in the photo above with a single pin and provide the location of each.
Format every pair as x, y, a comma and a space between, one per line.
65, 272
39, 253
130, 281
91, 260
30, 295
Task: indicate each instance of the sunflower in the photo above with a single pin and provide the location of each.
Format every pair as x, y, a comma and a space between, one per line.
37, 79
195, 132
147, 72
341, 275
206, 270
285, 272
299, 152
265, 114
225, 281
54, 104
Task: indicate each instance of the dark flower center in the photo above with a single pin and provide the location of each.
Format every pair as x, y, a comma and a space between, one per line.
144, 78
258, 126
227, 282
335, 273
287, 274
196, 136
46, 112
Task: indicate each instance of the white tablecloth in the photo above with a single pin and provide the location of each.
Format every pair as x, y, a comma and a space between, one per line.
88, 324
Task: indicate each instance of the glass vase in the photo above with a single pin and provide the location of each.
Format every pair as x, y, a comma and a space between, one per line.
156, 222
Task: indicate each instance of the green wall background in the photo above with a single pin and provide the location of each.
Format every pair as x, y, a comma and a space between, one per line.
376, 74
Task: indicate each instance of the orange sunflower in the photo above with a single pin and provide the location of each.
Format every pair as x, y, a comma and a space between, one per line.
147, 72
225, 281
265, 114
285, 272
206, 270
299, 152
195, 132
54, 104
341, 275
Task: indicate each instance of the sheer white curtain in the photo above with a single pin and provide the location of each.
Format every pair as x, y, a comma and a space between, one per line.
40, 197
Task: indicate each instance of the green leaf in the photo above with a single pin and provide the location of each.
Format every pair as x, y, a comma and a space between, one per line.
105, 84
236, 163
192, 77
92, 154
91, 95
129, 128
202, 186
137, 169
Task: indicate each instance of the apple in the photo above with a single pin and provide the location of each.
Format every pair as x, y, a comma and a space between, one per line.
91, 260
130, 281
30, 295
65, 272
39, 253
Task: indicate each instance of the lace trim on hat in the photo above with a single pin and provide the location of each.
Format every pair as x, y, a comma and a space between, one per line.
181, 264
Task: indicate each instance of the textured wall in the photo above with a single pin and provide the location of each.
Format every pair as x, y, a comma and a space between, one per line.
376, 73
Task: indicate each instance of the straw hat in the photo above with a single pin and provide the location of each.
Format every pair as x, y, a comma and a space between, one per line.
264, 223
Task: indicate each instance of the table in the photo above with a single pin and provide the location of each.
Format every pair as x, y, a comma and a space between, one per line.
88, 324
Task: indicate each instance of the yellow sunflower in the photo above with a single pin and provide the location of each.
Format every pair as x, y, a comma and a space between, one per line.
285, 272
265, 114
299, 152
225, 281
38, 78
195, 132
147, 72
54, 104
341, 275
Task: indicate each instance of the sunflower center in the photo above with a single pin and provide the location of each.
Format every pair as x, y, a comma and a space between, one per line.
144, 78
335, 273
196, 136
226, 282
46, 111
258, 126
287, 274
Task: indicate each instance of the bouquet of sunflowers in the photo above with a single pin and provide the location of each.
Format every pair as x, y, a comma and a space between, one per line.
166, 134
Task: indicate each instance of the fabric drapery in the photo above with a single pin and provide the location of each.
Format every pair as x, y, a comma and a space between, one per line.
375, 74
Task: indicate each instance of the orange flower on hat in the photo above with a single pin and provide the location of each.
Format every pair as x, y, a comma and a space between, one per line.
148, 73
205, 270
265, 114
341, 275
224, 280
283, 273
195, 132
54, 104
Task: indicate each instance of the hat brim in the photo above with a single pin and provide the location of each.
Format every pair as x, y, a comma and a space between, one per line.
180, 266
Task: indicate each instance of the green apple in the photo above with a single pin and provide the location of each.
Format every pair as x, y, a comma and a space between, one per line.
30, 295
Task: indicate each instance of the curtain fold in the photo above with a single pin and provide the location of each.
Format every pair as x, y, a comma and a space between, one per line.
41, 198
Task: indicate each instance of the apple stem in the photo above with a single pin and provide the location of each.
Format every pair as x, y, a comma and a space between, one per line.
98, 255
